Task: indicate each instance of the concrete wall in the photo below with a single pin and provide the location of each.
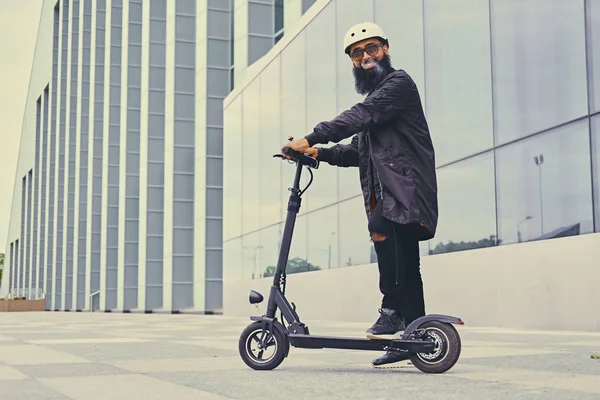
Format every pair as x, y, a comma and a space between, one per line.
551, 284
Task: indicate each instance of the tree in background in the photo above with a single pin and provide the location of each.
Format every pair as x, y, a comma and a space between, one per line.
294, 266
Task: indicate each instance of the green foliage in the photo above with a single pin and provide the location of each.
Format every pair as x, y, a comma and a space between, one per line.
1, 259
461, 246
294, 266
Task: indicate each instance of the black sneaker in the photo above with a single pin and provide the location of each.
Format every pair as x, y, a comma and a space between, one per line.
389, 358
387, 326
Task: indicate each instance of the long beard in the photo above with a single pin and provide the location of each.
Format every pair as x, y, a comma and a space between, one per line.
367, 80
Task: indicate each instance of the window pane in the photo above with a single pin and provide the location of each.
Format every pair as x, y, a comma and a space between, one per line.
401, 20
596, 158
354, 240
551, 199
251, 146
321, 101
467, 206
232, 170
270, 240
250, 256
539, 65
232, 260
293, 93
260, 18
271, 140
593, 26
258, 47
459, 83
323, 238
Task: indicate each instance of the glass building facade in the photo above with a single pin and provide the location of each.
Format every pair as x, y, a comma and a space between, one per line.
118, 205
511, 91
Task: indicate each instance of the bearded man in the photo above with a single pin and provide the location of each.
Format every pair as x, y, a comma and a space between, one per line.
392, 148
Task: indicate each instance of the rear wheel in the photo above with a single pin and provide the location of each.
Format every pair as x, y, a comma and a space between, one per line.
447, 348
261, 357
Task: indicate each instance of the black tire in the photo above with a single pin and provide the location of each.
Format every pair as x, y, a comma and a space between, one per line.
251, 336
448, 348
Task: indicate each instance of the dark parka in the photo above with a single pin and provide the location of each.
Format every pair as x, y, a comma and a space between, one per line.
392, 149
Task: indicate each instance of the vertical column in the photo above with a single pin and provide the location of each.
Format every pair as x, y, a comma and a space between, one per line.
155, 167
83, 161
71, 157
292, 11
108, 78
169, 157
62, 131
80, 151
240, 40
52, 157
96, 165
17, 269
183, 156
203, 16
211, 195
121, 174
43, 181
130, 175
21, 264
27, 274
37, 173
144, 132
114, 150
11, 269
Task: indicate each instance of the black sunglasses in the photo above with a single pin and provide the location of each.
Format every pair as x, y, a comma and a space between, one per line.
371, 49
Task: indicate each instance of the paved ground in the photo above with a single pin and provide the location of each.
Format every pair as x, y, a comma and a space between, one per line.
132, 356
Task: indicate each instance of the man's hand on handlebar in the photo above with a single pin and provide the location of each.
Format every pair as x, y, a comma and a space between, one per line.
300, 145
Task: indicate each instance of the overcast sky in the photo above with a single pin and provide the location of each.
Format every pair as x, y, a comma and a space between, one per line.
18, 33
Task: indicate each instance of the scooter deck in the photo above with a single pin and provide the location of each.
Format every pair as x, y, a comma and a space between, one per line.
331, 342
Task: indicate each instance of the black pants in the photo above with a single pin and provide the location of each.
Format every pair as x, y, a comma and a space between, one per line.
399, 268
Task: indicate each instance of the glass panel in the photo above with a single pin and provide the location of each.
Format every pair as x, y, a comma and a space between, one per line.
232, 260
297, 260
593, 29
544, 186
467, 203
459, 82
270, 240
323, 238
258, 47
354, 241
271, 140
401, 20
595, 169
250, 256
251, 146
232, 170
321, 101
539, 65
260, 19
278, 16
293, 104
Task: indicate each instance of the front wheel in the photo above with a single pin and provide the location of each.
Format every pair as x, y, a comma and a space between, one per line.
447, 348
259, 357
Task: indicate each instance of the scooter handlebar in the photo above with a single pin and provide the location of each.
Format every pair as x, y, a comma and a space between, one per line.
302, 158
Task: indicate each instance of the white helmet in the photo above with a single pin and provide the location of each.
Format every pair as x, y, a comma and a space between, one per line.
362, 31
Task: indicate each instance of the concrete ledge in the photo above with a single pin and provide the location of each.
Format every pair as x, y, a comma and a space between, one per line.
22, 305
551, 284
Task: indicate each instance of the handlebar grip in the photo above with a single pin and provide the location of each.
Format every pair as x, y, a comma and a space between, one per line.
302, 158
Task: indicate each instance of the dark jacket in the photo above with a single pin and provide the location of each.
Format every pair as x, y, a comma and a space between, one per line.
392, 149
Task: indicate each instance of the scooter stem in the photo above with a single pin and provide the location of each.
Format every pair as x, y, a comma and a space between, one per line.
292, 210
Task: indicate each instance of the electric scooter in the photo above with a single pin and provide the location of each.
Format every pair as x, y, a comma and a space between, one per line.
431, 341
